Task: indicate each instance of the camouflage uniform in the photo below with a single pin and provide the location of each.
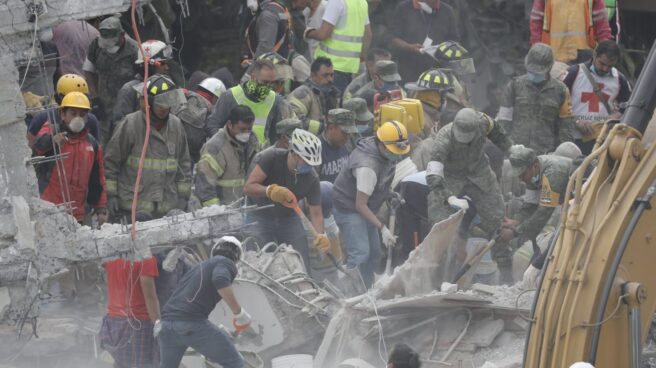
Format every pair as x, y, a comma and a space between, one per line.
113, 71
221, 172
194, 118
466, 171
311, 105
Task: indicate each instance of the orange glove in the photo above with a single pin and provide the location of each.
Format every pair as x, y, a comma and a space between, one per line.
322, 243
279, 194
241, 321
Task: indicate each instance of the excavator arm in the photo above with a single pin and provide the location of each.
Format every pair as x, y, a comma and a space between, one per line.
598, 290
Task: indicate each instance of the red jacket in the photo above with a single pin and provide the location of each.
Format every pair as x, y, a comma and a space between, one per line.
83, 166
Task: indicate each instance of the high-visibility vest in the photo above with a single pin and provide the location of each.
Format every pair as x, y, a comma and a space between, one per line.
611, 5
261, 109
559, 29
344, 46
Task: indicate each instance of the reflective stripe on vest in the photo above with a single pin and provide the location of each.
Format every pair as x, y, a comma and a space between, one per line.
168, 164
231, 183
261, 110
183, 187
344, 46
111, 186
211, 202
588, 31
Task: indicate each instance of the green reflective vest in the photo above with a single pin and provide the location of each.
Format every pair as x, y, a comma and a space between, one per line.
344, 46
261, 109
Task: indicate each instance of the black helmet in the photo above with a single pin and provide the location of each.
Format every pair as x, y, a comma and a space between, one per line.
432, 80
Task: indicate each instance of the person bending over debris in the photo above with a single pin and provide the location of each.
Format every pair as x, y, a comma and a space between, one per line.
281, 176
403, 356
132, 312
360, 190
185, 316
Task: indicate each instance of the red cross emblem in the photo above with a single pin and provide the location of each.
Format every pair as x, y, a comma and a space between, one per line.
593, 100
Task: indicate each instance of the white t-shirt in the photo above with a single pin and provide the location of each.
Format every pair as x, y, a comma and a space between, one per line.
335, 13
314, 21
365, 180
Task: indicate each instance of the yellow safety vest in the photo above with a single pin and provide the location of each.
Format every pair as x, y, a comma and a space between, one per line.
567, 27
343, 48
261, 109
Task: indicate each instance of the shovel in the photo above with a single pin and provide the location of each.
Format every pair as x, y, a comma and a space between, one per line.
474, 258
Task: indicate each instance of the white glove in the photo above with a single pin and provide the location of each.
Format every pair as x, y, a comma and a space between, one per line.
252, 5
157, 328
458, 203
530, 278
241, 321
389, 240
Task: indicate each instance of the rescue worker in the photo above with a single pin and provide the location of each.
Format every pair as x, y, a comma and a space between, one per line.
270, 30
225, 159
373, 56
185, 321
546, 178
431, 89
131, 301
80, 178
385, 79
195, 111
166, 180
459, 167
280, 176
536, 109
284, 130
108, 66
417, 25
360, 190
344, 37
66, 84
364, 119
341, 124
597, 89
312, 101
569, 26
127, 100
256, 93
284, 73
403, 356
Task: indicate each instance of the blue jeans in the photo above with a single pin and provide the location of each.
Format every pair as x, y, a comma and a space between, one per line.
202, 336
362, 243
342, 80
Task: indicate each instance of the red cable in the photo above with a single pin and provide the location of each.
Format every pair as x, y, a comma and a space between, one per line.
135, 197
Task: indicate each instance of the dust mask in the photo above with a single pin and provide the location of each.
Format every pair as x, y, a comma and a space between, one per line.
109, 44
243, 137
77, 124
425, 7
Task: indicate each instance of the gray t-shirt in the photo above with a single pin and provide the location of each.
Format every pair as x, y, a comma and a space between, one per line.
196, 294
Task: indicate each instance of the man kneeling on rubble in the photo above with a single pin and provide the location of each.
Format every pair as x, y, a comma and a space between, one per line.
185, 316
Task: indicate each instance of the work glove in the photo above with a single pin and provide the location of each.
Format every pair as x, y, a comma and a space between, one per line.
279, 194
458, 203
530, 280
157, 328
252, 5
322, 243
241, 321
435, 182
112, 205
389, 240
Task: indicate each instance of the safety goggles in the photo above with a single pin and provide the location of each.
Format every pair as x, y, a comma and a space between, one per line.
170, 99
463, 66
402, 145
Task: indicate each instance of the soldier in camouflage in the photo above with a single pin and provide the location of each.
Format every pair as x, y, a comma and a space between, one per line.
318, 95
109, 65
546, 179
535, 109
459, 167
221, 172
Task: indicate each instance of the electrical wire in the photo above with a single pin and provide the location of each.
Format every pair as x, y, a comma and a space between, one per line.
144, 149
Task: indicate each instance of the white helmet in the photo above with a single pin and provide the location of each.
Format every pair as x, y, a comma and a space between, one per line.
307, 145
155, 50
213, 86
568, 149
229, 242
581, 365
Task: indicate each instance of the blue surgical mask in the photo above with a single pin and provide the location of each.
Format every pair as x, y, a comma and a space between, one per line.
303, 168
391, 156
536, 77
389, 86
363, 129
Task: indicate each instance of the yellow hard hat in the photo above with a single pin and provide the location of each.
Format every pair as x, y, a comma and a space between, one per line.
76, 99
68, 83
394, 136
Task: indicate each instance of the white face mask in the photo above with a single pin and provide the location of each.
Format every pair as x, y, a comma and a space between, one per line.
109, 44
536, 179
243, 137
77, 124
425, 7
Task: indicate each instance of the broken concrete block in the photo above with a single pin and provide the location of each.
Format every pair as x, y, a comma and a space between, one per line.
520, 323
24, 224
483, 288
489, 365
448, 287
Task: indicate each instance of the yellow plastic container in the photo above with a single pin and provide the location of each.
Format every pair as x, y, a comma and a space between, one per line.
407, 111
